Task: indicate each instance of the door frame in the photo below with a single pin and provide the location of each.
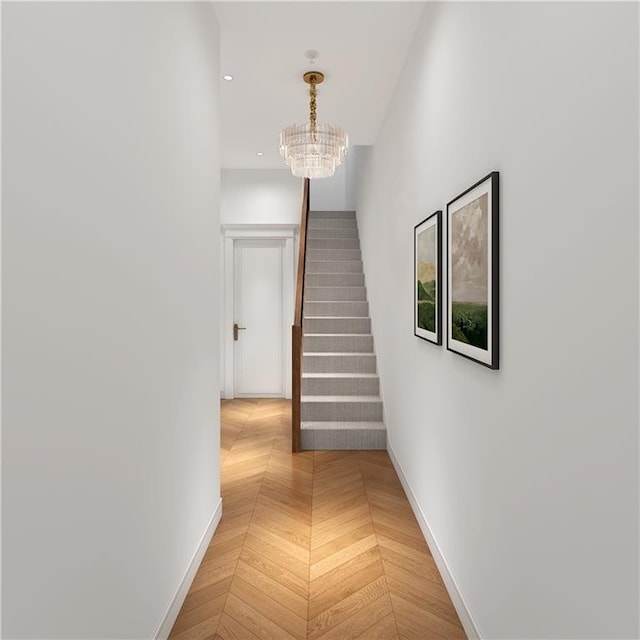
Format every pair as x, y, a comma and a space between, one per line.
230, 234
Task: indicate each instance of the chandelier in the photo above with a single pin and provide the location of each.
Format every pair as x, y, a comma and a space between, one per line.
313, 150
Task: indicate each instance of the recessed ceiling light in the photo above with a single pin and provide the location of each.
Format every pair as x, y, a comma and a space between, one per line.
259, 153
227, 77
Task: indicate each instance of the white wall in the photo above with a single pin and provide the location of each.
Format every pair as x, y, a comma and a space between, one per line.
260, 196
329, 194
110, 248
255, 197
528, 476
337, 193
274, 196
334, 193
351, 177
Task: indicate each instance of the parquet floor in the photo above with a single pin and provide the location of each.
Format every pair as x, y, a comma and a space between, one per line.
320, 545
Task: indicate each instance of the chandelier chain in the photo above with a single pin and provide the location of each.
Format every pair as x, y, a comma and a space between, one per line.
313, 114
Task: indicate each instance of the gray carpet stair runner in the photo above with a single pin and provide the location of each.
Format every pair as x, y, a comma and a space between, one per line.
341, 404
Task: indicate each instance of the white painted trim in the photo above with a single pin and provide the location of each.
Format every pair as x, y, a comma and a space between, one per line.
169, 618
1, 316
469, 624
231, 233
227, 324
259, 230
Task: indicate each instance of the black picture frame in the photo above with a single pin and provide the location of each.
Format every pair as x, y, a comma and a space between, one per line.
427, 293
473, 269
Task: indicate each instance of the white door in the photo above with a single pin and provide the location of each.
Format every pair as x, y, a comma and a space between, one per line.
258, 307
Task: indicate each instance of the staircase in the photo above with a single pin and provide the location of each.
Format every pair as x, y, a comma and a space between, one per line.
341, 406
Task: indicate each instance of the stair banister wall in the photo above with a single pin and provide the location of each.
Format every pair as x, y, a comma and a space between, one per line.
296, 329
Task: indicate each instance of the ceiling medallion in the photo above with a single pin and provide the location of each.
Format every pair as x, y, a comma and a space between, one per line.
313, 150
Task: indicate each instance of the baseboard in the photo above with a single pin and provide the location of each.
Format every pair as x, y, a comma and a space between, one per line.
470, 627
169, 618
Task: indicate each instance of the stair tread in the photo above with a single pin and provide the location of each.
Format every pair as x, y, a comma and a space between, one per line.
329, 425
333, 260
337, 335
338, 353
340, 399
333, 335
335, 318
340, 375
334, 301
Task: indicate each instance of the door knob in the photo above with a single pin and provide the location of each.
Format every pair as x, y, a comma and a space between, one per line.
236, 328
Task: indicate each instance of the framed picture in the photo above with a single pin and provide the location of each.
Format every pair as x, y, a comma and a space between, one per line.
427, 284
472, 272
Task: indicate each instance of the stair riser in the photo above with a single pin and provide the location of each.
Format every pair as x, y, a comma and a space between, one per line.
338, 344
340, 309
340, 386
332, 215
334, 280
324, 234
327, 266
332, 224
333, 254
333, 243
333, 440
336, 325
337, 330
339, 364
329, 294
340, 411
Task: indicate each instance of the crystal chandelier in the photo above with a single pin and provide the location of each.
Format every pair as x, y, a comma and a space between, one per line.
313, 150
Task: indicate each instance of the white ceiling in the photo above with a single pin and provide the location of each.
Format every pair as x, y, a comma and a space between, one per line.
362, 48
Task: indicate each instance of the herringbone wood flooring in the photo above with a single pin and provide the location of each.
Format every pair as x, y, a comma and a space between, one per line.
320, 545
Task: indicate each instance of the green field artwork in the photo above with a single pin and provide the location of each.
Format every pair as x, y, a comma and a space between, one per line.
469, 273
426, 280
469, 323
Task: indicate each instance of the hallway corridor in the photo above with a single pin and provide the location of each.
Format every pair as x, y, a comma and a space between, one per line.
318, 545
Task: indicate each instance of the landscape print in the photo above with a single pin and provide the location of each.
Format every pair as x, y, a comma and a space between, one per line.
427, 278
470, 273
